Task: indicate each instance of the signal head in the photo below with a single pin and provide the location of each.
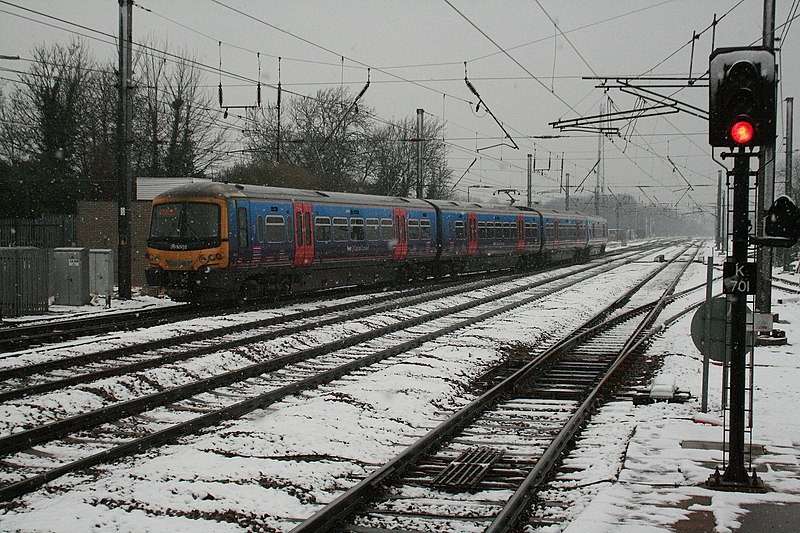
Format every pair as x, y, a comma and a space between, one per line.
741, 97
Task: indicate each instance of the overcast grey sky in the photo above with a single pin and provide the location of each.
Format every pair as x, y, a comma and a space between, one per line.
526, 58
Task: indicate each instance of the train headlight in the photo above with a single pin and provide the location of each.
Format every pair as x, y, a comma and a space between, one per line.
219, 256
203, 259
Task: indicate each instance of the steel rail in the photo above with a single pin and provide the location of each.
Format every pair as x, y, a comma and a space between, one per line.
375, 305
344, 505
26, 439
14, 336
518, 502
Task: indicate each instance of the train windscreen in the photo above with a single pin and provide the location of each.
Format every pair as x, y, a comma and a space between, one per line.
185, 222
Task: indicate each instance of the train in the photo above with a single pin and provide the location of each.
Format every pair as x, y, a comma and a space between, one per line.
217, 241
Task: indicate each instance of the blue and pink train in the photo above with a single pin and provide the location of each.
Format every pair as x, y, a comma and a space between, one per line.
219, 241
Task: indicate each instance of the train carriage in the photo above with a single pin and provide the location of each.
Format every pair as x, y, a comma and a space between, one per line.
212, 241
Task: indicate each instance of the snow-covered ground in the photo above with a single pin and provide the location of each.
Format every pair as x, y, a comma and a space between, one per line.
655, 481
267, 470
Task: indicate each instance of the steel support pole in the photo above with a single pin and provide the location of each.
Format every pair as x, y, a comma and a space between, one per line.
787, 253
530, 180
124, 179
736, 472
718, 236
707, 331
420, 175
766, 185
566, 197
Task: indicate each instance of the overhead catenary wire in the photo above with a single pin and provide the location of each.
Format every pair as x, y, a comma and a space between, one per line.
448, 122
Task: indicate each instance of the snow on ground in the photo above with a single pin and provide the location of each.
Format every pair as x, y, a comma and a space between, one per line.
279, 465
269, 469
97, 305
674, 448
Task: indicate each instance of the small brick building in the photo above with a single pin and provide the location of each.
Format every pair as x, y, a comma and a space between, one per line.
96, 227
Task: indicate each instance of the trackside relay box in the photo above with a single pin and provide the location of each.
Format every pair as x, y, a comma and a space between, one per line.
69, 276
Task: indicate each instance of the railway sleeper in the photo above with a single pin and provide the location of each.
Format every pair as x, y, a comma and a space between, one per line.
406, 523
560, 394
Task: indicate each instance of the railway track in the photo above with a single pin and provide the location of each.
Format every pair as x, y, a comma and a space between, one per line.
792, 287
598, 453
37, 453
17, 336
478, 470
28, 378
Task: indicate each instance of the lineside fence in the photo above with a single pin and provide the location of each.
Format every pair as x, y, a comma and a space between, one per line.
47, 231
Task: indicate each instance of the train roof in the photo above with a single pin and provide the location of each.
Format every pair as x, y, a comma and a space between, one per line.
234, 191
228, 190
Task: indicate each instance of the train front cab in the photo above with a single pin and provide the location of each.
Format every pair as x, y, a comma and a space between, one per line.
188, 243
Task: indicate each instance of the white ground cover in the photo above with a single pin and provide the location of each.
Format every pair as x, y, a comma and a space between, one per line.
274, 467
655, 482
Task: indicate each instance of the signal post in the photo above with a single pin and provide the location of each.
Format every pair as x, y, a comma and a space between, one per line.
741, 118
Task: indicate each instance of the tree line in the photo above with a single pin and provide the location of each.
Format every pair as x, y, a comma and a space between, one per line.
59, 135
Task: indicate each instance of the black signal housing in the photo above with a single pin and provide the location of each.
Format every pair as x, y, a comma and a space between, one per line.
741, 90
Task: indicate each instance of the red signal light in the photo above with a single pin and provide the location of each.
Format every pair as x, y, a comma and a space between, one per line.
742, 132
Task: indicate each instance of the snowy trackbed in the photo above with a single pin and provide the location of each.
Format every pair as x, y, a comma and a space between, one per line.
479, 469
70, 413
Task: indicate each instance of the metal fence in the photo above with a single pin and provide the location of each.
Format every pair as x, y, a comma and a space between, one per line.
47, 231
23, 281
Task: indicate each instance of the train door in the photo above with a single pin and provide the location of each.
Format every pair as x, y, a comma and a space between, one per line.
520, 234
556, 239
244, 245
472, 233
400, 235
303, 239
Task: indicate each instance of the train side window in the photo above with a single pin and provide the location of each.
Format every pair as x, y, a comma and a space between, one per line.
307, 224
481, 230
425, 230
323, 228
340, 229
460, 233
276, 229
298, 230
387, 231
260, 228
506, 230
373, 229
403, 229
241, 225
356, 229
413, 229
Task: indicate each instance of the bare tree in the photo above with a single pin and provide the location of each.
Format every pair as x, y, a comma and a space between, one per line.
343, 147
394, 150
47, 124
175, 129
